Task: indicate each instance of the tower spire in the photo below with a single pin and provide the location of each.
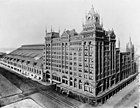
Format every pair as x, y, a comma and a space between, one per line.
92, 11
127, 46
102, 22
59, 30
119, 43
92, 6
130, 42
130, 39
46, 31
51, 28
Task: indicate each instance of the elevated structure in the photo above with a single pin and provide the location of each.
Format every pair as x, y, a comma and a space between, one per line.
88, 65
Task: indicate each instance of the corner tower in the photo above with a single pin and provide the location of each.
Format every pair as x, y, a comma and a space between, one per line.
48, 53
92, 20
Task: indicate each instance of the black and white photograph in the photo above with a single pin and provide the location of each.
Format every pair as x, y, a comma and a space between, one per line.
69, 54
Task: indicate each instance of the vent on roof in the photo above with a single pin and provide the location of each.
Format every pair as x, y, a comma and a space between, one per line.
36, 58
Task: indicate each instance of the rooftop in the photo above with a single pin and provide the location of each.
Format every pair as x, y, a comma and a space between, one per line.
28, 54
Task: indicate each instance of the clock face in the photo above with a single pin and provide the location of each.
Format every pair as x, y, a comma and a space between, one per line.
89, 17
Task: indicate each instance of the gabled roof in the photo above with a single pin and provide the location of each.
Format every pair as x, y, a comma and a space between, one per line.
70, 33
31, 53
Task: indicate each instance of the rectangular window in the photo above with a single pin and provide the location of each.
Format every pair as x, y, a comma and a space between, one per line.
70, 73
79, 53
86, 88
71, 83
75, 63
80, 70
70, 68
80, 64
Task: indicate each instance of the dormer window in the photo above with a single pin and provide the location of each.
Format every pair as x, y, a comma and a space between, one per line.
96, 19
35, 63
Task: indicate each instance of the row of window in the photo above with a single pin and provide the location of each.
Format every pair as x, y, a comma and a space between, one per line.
74, 63
74, 83
86, 76
54, 59
86, 53
20, 70
31, 69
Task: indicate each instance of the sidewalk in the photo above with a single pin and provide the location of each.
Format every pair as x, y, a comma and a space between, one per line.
115, 99
27, 103
41, 82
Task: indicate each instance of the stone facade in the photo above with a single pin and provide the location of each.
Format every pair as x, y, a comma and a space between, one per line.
88, 65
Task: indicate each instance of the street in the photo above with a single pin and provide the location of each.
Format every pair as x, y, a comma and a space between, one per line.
34, 90
15, 88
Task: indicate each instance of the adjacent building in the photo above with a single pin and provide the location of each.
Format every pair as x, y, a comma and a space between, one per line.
26, 61
88, 65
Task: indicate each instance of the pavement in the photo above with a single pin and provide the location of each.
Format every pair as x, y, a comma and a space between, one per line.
124, 96
128, 97
21, 89
7, 88
41, 94
27, 103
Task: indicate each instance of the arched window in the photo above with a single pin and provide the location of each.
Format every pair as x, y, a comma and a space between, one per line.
86, 86
56, 77
75, 82
89, 42
84, 43
90, 88
96, 19
71, 81
80, 84
64, 79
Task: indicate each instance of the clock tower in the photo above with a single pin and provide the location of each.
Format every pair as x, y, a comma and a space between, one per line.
92, 20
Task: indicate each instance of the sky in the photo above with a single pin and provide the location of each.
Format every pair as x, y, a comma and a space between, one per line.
25, 21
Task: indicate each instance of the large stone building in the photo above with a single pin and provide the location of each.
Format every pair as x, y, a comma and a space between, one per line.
88, 65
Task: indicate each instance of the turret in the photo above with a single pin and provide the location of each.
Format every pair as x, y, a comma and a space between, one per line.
130, 43
92, 20
117, 43
127, 47
52, 34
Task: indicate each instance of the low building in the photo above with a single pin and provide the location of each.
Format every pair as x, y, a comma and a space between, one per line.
26, 60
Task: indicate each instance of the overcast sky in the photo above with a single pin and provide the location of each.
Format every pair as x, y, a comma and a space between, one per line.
24, 21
